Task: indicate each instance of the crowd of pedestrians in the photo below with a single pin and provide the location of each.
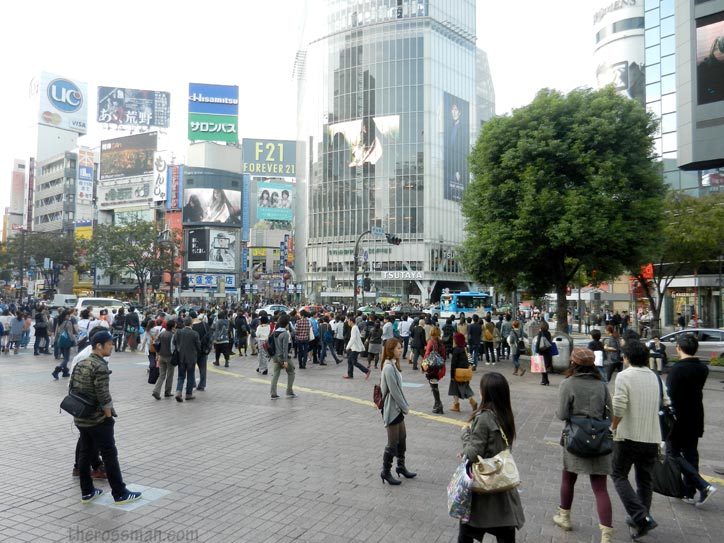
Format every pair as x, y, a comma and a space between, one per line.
617, 377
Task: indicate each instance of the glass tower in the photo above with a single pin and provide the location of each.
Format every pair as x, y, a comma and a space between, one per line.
391, 97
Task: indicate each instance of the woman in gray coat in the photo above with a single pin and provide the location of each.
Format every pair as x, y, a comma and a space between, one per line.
583, 393
393, 413
492, 429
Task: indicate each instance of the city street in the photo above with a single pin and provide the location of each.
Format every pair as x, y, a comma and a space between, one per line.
233, 465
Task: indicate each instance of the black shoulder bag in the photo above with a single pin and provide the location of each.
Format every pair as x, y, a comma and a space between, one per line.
588, 437
667, 414
77, 404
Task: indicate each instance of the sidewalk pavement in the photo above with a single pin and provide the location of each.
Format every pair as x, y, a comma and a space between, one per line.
233, 465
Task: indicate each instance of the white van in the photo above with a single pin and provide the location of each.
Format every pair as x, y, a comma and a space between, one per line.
64, 300
99, 303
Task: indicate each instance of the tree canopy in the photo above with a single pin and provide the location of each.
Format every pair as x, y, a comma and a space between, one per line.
128, 249
565, 183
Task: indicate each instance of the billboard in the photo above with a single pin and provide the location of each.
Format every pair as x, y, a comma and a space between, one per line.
277, 158
354, 143
213, 112
17, 188
456, 146
124, 193
160, 176
128, 156
211, 249
710, 58
63, 103
133, 107
274, 201
85, 175
210, 205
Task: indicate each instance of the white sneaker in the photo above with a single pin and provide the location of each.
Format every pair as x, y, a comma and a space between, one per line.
705, 495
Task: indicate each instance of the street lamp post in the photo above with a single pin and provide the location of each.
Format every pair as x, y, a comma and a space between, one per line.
356, 266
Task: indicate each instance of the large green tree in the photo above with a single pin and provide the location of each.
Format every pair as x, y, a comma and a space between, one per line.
568, 181
128, 249
38, 246
690, 241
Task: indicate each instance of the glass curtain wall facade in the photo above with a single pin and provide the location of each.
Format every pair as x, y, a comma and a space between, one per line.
660, 54
389, 108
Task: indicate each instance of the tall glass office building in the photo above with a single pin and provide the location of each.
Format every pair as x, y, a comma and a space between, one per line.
391, 97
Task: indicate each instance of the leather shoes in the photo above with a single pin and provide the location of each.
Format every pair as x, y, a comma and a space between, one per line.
156, 395
346, 377
190, 397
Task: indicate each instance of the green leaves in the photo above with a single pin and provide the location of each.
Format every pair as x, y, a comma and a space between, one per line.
564, 183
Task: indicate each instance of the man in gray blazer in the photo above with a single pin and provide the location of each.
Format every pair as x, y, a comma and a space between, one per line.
188, 344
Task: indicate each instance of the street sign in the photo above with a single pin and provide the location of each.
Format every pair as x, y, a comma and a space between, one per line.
366, 256
377, 231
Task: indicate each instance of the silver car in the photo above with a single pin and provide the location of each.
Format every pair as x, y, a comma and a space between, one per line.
711, 342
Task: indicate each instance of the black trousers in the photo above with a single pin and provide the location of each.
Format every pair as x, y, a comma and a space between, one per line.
503, 534
100, 438
640, 456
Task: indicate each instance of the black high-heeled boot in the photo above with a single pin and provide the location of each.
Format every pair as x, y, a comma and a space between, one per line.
437, 408
401, 469
386, 474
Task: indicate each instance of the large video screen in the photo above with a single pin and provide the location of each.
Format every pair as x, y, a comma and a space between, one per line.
128, 157
710, 58
456, 146
211, 249
207, 205
361, 141
274, 202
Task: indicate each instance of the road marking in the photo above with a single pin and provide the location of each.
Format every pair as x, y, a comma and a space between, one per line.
335, 396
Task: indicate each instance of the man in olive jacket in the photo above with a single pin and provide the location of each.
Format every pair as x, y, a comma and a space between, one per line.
91, 379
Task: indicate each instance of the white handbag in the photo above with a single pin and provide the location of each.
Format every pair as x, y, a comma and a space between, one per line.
496, 474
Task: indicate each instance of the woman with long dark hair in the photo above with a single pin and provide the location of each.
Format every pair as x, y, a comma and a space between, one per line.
542, 346
491, 430
460, 389
434, 374
393, 413
584, 394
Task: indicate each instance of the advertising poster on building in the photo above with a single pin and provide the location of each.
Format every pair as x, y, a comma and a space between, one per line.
85, 175
213, 112
128, 157
124, 192
274, 201
133, 107
63, 103
160, 176
456, 118
211, 249
358, 142
710, 58
211, 206
269, 158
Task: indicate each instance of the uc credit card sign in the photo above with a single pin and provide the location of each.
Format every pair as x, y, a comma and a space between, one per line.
213, 112
63, 103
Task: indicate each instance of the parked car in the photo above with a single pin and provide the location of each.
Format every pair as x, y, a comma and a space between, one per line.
433, 310
315, 310
711, 342
369, 309
97, 304
398, 310
271, 309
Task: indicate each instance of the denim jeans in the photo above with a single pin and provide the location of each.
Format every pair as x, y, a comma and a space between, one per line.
688, 456
100, 437
475, 350
405, 343
416, 355
640, 456
328, 345
66, 357
352, 362
302, 352
516, 361
186, 374
489, 350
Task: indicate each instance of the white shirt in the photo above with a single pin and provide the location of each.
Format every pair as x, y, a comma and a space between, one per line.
355, 341
404, 327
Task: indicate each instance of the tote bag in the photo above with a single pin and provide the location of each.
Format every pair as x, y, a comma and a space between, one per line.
537, 364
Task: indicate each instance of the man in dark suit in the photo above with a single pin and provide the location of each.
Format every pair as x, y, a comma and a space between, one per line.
686, 383
188, 344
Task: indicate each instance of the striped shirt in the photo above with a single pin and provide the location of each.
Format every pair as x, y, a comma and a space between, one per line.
636, 401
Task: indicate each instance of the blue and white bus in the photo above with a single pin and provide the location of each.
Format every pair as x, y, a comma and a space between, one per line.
454, 303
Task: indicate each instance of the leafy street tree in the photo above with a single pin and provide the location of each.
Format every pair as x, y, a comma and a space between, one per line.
38, 245
568, 181
692, 233
121, 250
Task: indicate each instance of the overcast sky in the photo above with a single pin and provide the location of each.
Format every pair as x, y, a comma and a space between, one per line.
162, 45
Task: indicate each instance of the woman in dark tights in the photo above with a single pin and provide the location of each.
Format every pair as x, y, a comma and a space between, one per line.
583, 393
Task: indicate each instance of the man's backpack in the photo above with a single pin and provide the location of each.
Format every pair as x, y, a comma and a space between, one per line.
488, 335
206, 341
270, 345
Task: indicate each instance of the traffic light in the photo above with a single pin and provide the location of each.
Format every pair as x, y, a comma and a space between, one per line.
393, 240
367, 284
184, 281
568, 290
